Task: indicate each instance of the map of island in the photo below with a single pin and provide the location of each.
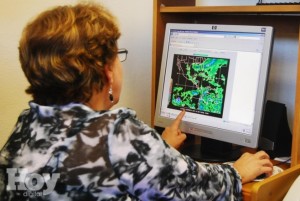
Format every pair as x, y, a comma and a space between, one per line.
199, 84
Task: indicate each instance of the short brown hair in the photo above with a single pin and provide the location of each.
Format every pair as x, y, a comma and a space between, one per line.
64, 50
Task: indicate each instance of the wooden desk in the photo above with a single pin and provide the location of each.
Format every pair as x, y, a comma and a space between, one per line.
273, 188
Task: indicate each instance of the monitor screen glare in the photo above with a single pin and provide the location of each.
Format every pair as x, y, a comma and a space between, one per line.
218, 74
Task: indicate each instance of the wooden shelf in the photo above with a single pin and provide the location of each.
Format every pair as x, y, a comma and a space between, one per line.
284, 18
278, 9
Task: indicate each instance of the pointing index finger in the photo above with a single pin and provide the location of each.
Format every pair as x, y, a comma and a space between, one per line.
179, 118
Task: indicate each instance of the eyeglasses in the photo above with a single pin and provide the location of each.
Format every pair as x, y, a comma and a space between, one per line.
122, 54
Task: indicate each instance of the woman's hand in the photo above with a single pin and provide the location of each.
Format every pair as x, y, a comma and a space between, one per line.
172, 134
250, 166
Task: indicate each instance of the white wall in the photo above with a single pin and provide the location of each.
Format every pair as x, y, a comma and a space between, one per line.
135, 18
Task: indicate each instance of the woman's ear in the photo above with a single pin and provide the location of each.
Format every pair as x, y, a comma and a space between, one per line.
109, 73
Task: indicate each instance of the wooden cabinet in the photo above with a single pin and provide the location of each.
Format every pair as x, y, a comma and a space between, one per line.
284, 18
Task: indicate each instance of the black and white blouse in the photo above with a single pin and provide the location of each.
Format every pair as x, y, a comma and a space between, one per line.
106, 155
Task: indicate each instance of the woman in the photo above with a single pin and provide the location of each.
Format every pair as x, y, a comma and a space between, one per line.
69, 143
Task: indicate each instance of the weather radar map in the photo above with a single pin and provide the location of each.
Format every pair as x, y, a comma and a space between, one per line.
199, 84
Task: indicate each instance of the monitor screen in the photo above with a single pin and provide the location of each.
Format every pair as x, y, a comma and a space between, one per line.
218, 74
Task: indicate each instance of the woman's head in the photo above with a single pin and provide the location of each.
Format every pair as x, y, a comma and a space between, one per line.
64, 51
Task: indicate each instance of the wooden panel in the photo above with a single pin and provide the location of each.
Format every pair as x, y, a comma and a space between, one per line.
296, 128
154, 59
285, 19
157, 46
234, 9
275, 187
178, 3
286, 26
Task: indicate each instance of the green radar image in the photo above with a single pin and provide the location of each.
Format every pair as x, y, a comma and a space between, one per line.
199, 84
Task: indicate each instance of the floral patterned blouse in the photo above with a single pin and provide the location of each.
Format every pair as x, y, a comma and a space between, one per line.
103, 155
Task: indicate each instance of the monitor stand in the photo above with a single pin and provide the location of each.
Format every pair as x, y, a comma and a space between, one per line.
212, 151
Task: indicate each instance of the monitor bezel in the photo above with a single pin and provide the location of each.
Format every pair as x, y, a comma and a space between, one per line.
211, 132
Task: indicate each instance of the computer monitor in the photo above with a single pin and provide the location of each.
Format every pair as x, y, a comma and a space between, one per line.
218, 74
